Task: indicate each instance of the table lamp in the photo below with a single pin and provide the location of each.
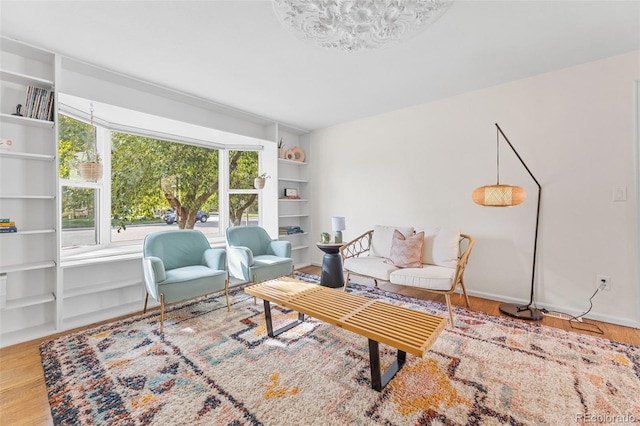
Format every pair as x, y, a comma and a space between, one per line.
338, 225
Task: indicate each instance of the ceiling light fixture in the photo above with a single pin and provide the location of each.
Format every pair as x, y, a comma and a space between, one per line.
357, 25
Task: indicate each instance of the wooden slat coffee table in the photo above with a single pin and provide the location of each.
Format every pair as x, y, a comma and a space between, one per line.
405, 329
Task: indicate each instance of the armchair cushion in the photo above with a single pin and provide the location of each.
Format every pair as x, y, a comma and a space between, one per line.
406, 252
382, 238
441, 246
429, 277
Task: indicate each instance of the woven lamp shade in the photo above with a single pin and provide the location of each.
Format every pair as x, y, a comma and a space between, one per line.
499, 195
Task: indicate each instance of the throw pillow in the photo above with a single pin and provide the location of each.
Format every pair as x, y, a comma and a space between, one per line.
406, 252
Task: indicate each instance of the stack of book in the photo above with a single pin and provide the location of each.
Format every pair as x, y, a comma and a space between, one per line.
6, 225
38, 104
288, 230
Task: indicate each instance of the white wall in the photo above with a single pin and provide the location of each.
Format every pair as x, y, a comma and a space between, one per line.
575, 130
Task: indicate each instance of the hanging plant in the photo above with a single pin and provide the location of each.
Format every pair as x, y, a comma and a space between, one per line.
258, 183
90, 166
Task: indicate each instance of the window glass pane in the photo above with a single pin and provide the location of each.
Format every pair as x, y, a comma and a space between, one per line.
243, 168
76, 144
159, 185
78, 217
243, 209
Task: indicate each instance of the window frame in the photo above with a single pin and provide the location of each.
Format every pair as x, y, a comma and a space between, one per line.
103, 186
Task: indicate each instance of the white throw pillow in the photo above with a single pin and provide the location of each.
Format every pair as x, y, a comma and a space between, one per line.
441, 246
382, 238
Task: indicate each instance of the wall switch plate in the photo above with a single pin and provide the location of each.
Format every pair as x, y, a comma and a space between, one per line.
619, 193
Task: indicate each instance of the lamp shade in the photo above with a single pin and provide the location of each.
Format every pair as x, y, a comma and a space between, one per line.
499, 195
338, 223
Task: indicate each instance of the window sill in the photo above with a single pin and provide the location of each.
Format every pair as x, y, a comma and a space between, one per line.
116, 254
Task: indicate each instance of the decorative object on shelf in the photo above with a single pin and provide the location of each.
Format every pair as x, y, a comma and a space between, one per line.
38, 104
351, 26
281, 149
291, 193
295, 154
325, 238
258, 183
504, 196
290, 230
5, 144
7, 226
91, 167
18, 109
338, 225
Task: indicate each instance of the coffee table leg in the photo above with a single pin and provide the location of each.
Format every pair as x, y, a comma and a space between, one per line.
379, 379
267, 316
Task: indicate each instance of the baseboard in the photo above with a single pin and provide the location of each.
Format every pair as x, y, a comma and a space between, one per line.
627, 322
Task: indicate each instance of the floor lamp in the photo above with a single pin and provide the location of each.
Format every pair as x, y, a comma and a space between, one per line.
499, 195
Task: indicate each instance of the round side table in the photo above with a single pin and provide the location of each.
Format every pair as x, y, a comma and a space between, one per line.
332, 275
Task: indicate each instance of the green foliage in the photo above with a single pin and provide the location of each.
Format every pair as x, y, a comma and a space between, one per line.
150, 175
74, 138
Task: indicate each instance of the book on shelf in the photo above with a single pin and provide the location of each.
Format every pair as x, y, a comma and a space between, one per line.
8, 223
5, 220
288, 230
38, 103
8, 229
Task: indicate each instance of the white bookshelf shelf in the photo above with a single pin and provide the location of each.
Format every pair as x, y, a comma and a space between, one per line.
24, 79
31, 232
27, 267
23, 302
27, 197
286, 179
98, 288
27, 156
24, 121
294, 162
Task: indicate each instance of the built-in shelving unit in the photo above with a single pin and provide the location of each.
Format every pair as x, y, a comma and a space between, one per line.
28, 194
295, 212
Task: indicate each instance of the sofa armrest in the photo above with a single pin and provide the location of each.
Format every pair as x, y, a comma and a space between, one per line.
357, 246
215, 258
280, 248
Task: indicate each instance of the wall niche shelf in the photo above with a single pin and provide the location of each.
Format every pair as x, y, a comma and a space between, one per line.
295, 212
28, 266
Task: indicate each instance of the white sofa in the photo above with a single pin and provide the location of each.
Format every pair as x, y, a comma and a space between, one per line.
443, 259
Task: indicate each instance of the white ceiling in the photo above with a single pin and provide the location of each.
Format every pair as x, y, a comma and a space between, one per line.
236, 52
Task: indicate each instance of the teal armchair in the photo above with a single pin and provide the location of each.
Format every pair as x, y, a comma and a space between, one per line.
255, 257
180, 265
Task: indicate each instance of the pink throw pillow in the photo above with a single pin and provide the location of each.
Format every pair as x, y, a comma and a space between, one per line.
406, 252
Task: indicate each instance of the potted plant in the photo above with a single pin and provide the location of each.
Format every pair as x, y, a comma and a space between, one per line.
259, 182
90, 165
280, 149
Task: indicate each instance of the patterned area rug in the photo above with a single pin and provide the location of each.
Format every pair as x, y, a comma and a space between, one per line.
213, 367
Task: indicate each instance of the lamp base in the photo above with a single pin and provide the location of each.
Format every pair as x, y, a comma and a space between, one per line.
521, 311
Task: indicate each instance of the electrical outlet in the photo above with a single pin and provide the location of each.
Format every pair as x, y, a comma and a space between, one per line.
603, 279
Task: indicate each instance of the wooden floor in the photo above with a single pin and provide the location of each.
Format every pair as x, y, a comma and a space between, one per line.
23, 395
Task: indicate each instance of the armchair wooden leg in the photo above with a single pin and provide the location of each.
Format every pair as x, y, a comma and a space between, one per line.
375, 283
293, 271
161, 312
346, 281
447, 296
146, 299
255, 281
464, 291
226, 293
